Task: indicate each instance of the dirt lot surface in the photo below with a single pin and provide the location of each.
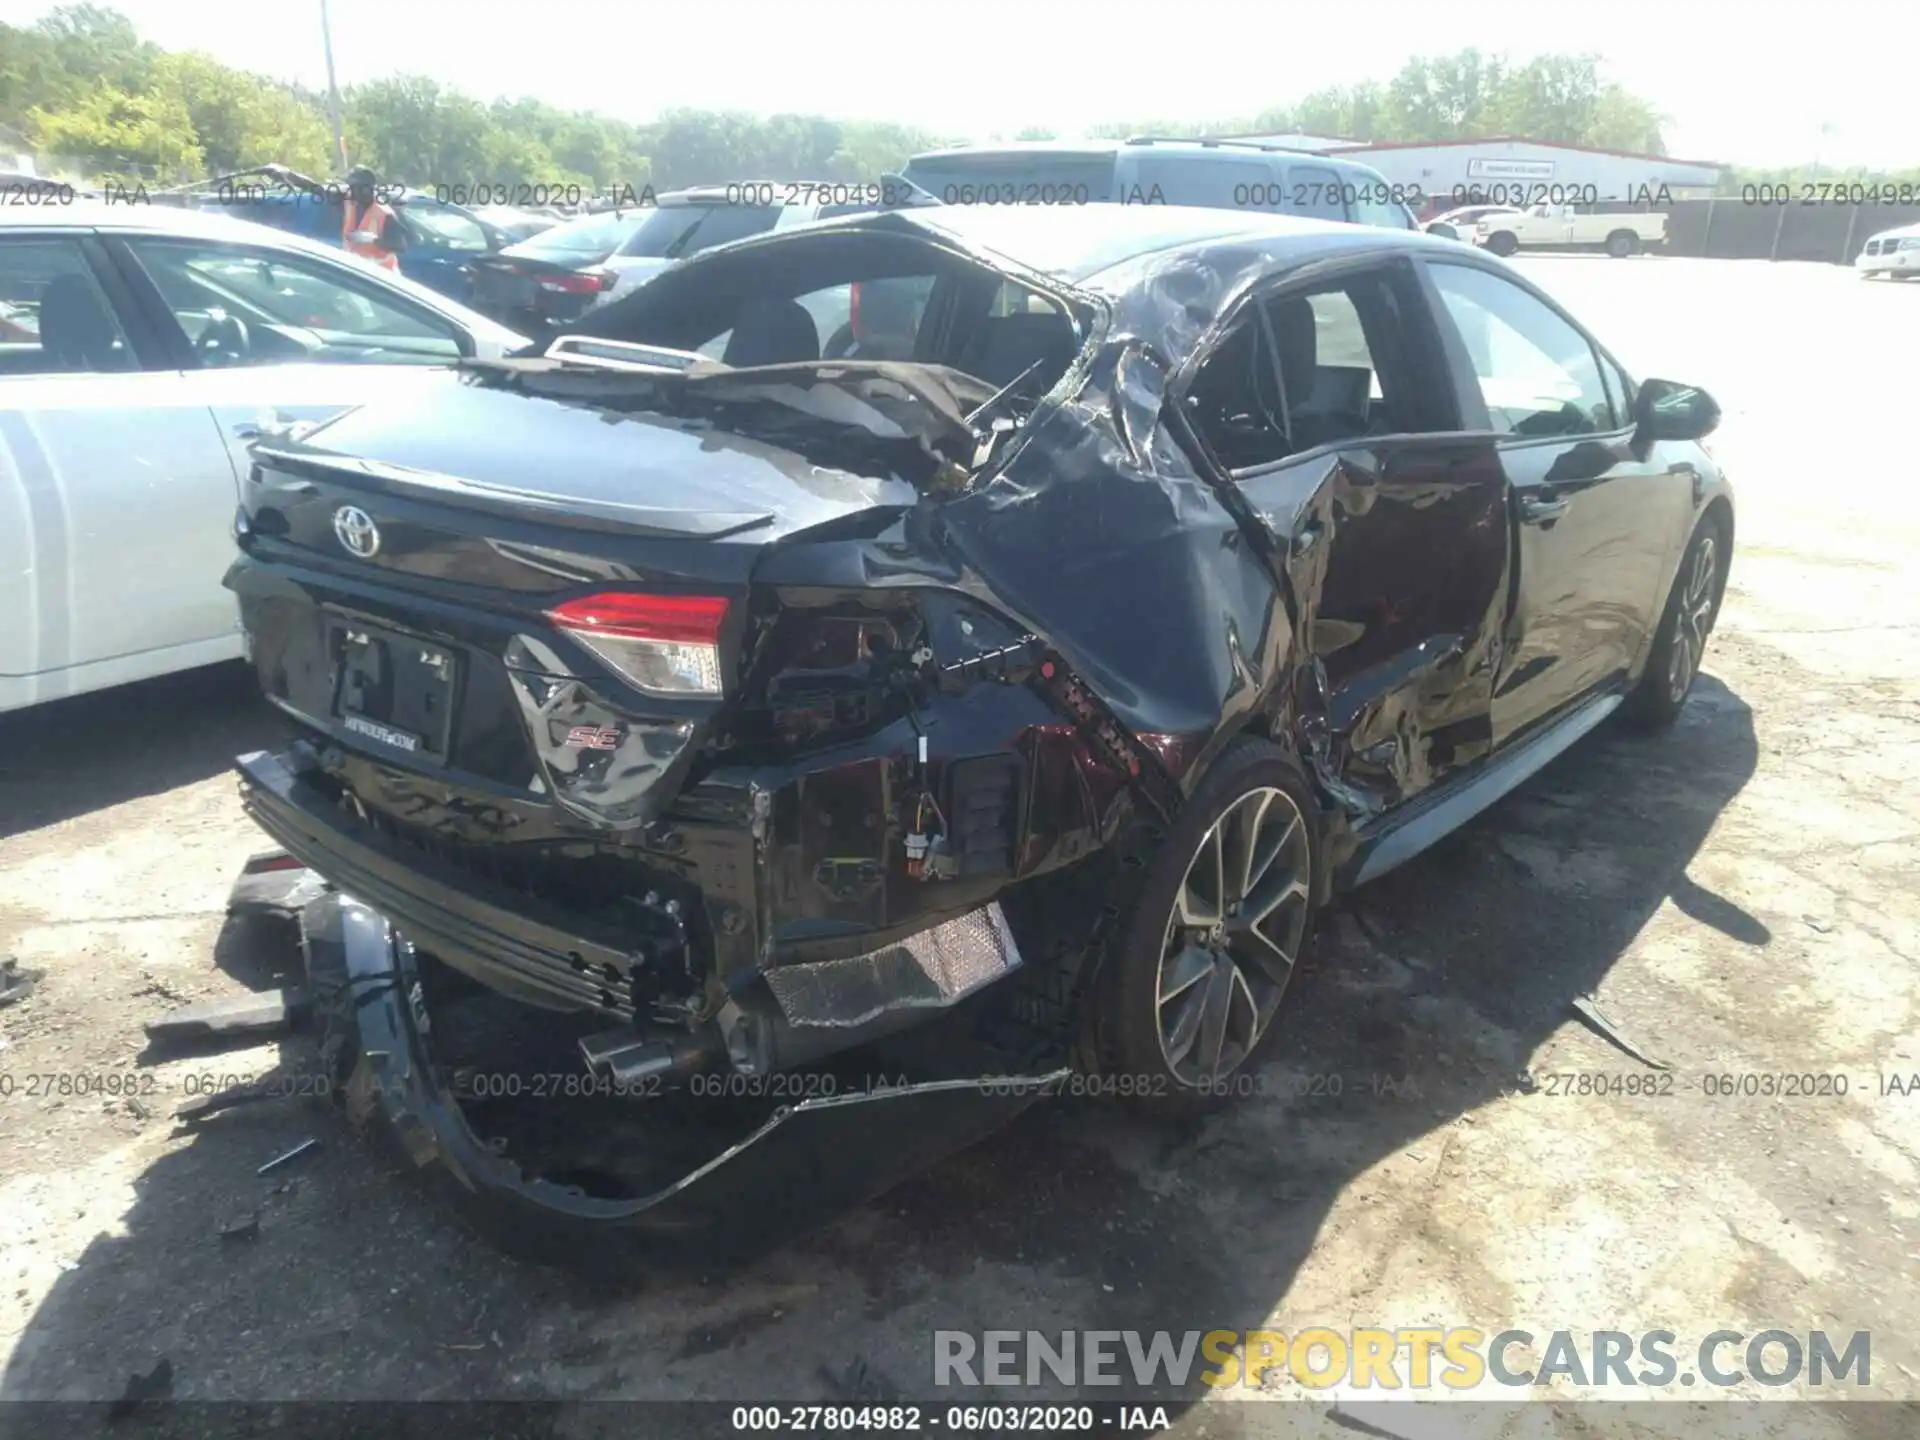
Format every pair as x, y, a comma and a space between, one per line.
1742, 896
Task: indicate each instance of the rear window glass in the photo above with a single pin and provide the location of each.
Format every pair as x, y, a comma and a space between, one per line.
593, 238
676, 230
1016, 177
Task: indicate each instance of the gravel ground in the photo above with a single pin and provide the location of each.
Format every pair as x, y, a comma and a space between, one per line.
1741, 895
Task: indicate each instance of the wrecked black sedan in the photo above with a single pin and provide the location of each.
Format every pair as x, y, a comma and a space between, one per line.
1000, 698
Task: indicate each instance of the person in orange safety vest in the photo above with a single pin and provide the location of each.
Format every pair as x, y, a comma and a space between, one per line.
369, 228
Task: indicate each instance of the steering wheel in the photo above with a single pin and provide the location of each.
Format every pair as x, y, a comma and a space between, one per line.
224, 341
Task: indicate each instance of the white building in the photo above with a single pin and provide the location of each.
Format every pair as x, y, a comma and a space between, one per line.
1510, 169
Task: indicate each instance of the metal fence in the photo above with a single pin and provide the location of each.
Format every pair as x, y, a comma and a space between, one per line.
1729, 228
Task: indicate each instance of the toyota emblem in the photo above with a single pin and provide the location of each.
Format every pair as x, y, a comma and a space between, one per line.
356, 531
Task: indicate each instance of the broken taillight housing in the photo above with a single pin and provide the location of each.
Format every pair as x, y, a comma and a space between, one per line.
663, 644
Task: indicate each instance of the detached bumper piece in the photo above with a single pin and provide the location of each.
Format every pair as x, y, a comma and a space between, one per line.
733, 1178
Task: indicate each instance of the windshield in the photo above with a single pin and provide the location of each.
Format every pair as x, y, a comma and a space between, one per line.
1015, 177
593, 237
442, 226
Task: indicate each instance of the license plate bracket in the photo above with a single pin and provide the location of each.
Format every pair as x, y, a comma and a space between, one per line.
394, 690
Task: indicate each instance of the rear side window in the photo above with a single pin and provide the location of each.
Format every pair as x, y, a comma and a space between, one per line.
1016, 177
1373, 204
1316, 192
54, 318
1217, 182
1310, 368
1537, 374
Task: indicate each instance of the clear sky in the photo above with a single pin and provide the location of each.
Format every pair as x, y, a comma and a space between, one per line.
1749, 83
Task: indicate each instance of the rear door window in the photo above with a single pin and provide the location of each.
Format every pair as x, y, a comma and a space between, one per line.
54, 317
1323, 366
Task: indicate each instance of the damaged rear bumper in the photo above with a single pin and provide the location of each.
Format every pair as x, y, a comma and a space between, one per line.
818, 1156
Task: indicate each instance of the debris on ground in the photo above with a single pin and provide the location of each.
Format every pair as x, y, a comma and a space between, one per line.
274, 1085
274, 884
15, 983
279, 1160
1597, 1021
241, 1227
250, 1014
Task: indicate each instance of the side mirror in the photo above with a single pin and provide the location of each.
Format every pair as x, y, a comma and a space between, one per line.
1664, 410
1444, 230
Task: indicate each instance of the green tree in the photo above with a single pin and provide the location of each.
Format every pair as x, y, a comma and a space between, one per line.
240, 119
111, 134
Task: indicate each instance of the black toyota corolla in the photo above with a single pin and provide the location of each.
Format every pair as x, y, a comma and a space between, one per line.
739, 724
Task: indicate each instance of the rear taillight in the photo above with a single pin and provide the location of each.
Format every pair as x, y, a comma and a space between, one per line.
581, 282
664, 644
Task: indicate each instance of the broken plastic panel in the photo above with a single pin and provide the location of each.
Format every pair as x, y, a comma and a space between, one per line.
935, 968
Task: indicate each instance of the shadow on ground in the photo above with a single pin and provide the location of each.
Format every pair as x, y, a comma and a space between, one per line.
1440, 981
71, 757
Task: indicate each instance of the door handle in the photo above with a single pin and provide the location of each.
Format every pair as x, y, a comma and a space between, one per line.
1540, 509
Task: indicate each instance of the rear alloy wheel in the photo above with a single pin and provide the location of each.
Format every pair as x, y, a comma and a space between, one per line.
1681, 645
1206, 956
1622, 243
1503, 243
1233, 933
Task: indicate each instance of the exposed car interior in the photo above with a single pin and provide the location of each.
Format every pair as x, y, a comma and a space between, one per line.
854, 294
1307, 369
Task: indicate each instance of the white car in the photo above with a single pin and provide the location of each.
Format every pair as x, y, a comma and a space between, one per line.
1893, 253
142, 349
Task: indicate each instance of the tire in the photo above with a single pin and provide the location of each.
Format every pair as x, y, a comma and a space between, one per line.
1503, 243
1622, 243
1181, 1008
1680, 644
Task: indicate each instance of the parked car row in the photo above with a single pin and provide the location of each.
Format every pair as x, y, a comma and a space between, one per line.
142, 349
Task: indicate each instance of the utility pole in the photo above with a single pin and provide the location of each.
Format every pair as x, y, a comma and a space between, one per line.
333, 90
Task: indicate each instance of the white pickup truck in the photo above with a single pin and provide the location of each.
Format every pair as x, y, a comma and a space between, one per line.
1559, 227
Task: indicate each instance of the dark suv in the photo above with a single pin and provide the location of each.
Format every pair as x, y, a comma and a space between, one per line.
1213, 174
